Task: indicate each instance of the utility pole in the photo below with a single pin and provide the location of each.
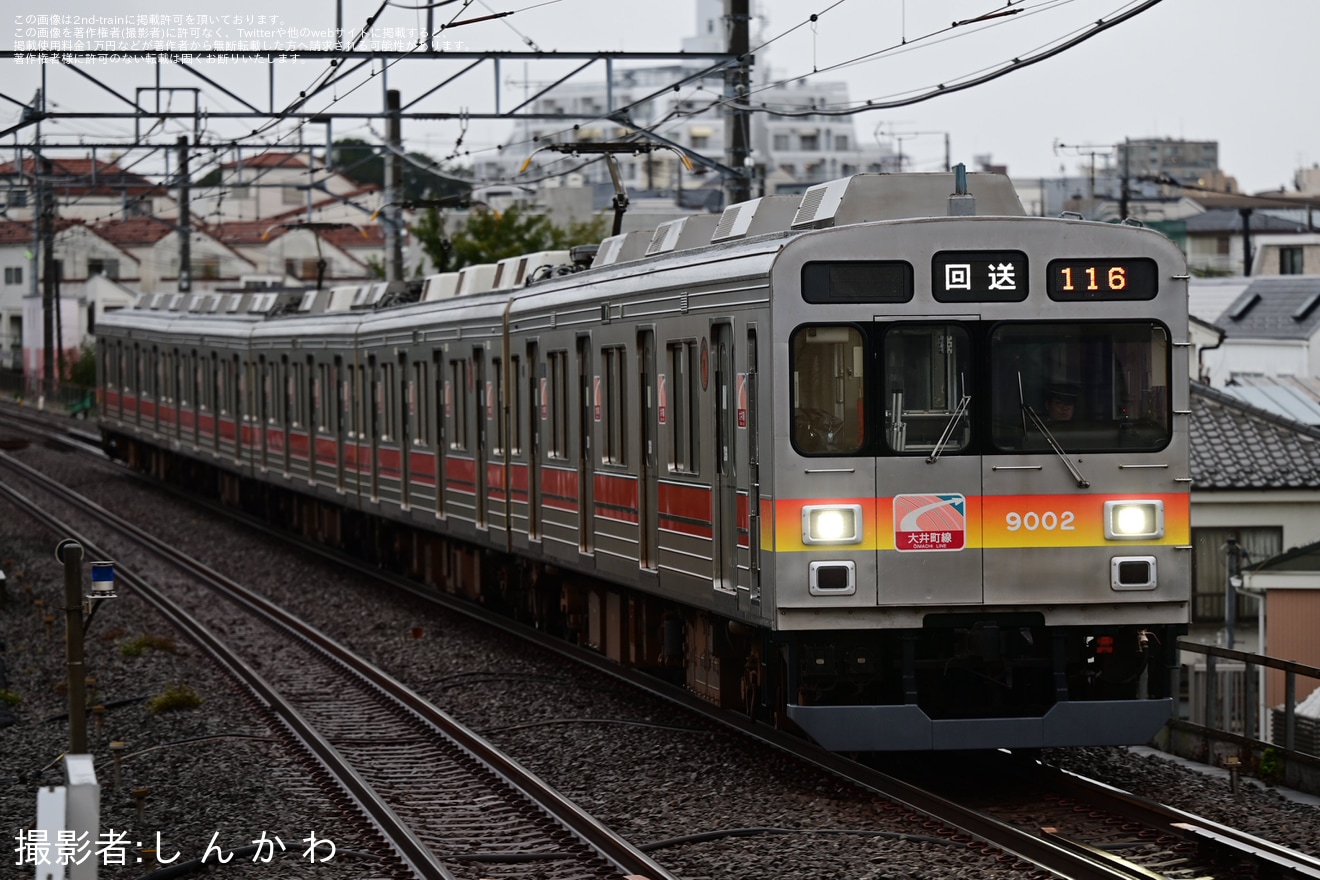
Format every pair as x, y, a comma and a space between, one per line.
70, 555
185, 220
1233, 555
393, 189
48, 280
1245, 213
737, 80
1123, 185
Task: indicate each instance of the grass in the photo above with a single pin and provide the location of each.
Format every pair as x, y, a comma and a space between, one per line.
9, 698
138, 645
175, 698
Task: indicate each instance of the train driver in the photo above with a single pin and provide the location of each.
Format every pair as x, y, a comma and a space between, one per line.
1060, 402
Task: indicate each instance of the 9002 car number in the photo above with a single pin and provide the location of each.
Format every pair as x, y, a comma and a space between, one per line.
1048, 521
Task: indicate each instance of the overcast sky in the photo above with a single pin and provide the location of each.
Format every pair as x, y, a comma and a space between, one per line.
1240, 74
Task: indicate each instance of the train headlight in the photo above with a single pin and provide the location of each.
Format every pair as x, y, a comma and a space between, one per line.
832, 524
1134, 520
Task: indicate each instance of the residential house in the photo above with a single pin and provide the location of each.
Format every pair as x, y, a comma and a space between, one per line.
294, 251
82, 255
1255, 479
1208, 298
1215, 239
1271, 328
154, 242
1290, 587
278, 186
87, 189
1292, 254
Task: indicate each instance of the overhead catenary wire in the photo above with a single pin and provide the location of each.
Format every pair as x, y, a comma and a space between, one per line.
674, 117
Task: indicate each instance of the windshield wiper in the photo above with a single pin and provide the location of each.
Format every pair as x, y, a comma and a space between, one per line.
958, 412
1039, 424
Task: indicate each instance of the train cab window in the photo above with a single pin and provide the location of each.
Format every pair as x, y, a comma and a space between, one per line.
927, 399
828, 389
1089, 386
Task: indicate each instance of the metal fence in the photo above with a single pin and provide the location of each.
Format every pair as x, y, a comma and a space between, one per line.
1224, 715
1225, 694
68, 398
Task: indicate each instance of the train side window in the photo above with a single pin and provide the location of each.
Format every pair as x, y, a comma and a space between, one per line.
515, 405
684, 446
828, 389
419, 405
353, 399
266, 405
293, 383
558, 404
231, 391
187, 379
927, 375
497, 402
616, 406
387, 407
204, 371
459, 395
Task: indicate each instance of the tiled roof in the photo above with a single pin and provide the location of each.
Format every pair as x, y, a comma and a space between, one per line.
245, 232
135, 230
295, 213
372, 236
1275, 307
1228, 220
1238, 446
20, 232
86, 177
271, 160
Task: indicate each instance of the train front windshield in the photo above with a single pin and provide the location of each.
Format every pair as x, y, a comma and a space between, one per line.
922, 388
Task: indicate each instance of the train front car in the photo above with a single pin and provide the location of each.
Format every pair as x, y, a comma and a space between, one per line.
980, 500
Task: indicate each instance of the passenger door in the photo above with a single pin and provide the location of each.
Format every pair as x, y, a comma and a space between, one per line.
725, 503
928, 480
646, 495
536, 396
586, 426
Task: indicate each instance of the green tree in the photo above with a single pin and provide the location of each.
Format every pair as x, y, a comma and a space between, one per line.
83, 371
423, 177
429, 230
489, 236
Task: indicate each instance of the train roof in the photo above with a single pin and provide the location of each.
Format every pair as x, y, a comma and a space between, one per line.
748, 233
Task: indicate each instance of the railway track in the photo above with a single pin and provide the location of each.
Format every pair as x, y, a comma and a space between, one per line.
1070, 850
1139, 837
439, 794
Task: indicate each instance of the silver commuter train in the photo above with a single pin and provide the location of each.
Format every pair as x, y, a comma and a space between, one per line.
809, 458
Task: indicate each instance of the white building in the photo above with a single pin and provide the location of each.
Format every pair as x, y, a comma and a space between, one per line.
787, 152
